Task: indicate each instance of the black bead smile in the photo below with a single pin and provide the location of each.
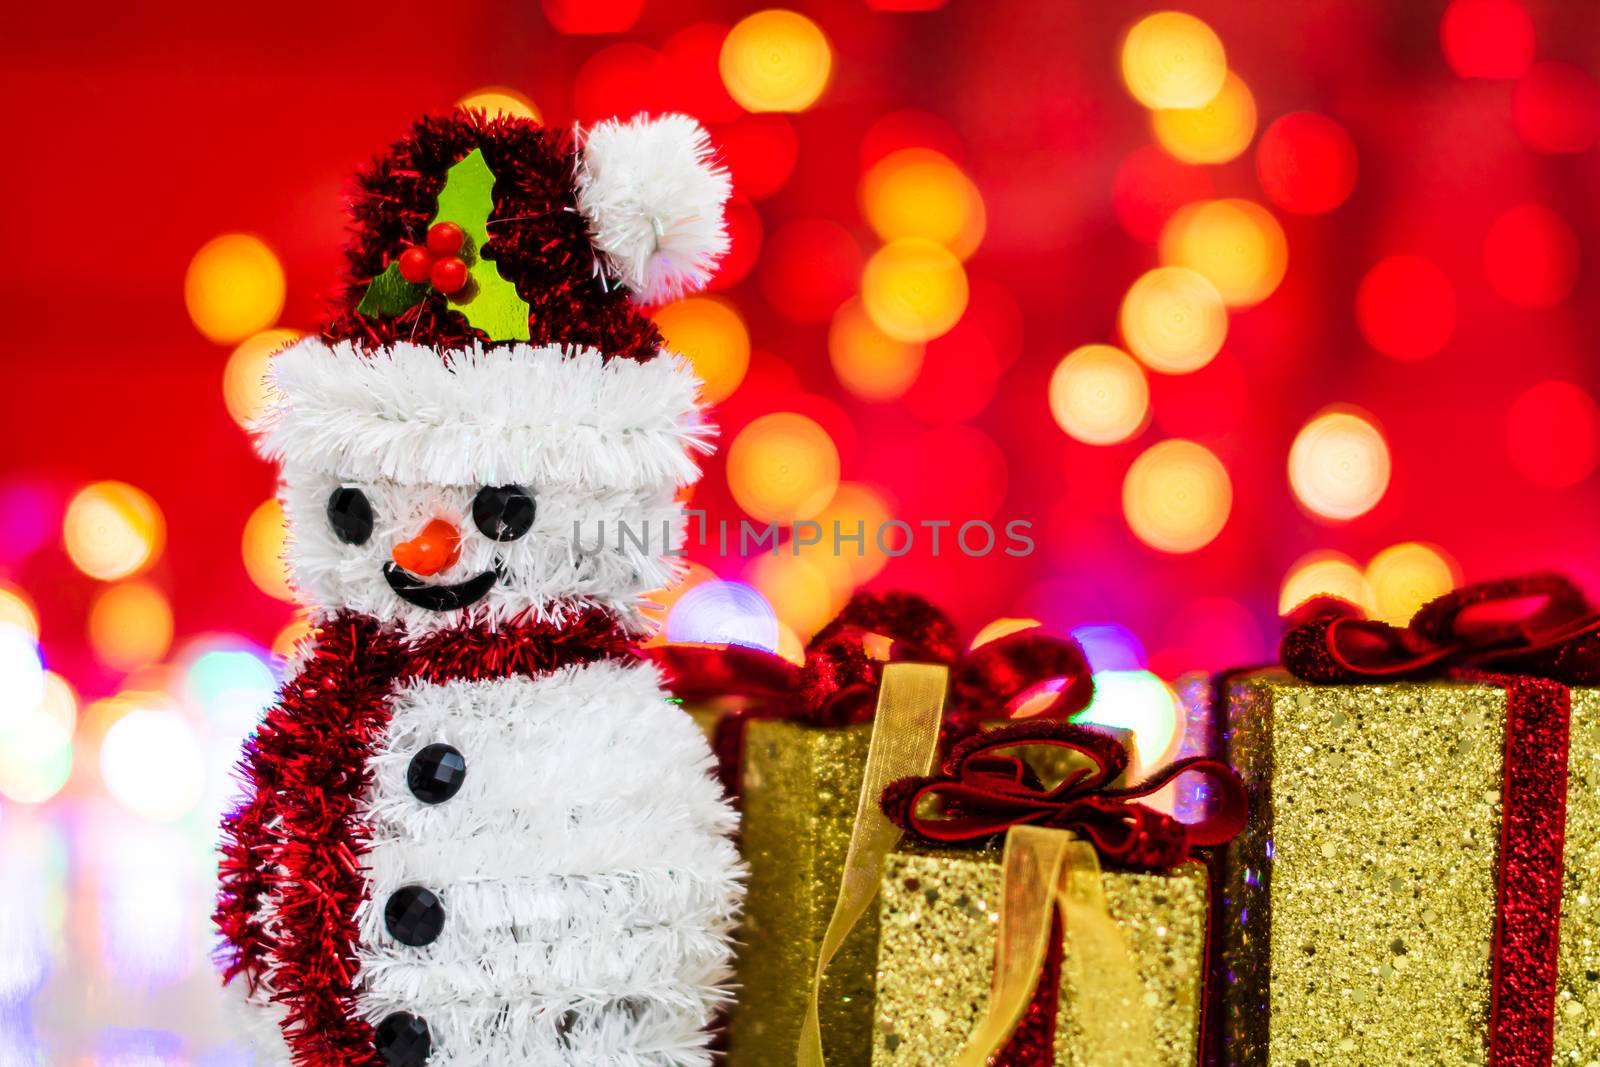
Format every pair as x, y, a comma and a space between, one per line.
413, 590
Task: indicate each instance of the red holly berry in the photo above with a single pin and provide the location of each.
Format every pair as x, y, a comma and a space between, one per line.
445, 239
449, 274
415, 263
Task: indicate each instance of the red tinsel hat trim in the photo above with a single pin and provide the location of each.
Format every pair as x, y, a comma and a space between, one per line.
538, 240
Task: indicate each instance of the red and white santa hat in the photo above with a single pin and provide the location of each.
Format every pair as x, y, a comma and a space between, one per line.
490, 328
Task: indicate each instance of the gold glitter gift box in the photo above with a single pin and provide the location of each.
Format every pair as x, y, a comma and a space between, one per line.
799, 786
798, 795
938, 919
1360, 908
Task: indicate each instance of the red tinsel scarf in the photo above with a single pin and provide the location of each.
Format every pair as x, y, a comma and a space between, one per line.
302, 829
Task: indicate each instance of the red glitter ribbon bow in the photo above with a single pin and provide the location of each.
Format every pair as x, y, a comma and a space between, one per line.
986, 786
1533, 636
844, 663
1537, 625
838, 683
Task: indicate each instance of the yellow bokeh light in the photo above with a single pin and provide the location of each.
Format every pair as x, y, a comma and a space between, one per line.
1170, 59
245, 388
1406, 576
290, 637
498, 100
775, 60
914, 289
234, 287
1098, 395
917, 192
265, 537
868, 362
16, 609
1177, 496
790, 647
130, 624
1212, 133
848, 560
112, 530
798, 591
783, 467
711, 335
998, 628
1339, 464
1174, 320
1236, 244
1324, 574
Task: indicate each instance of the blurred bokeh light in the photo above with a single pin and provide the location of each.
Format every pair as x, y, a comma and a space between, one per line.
150, 760
1235, 244
1306, 163
1098, 395
234, 287
1339, 464
1177, 496
783, 467
711, 335
776, 60
130, 624
723, 613
265, 537
1171, 59
497, 100
913, 289
1325, 573
1406, 576
245, 387
918, 192
113, 530
868, 362
1174, 320
1214, 132
1406, 307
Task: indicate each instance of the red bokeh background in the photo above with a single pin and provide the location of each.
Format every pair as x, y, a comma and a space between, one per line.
136, 135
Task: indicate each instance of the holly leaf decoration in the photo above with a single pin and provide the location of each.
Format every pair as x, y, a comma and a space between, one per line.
390, 294
488, 301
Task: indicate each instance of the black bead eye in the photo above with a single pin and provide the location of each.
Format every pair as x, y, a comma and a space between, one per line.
350, 515
503, 512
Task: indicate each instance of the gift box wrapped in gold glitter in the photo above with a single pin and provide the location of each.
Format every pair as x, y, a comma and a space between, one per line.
793, 742
1083, 943
798, 794
1420, 879
938, 919
799, 787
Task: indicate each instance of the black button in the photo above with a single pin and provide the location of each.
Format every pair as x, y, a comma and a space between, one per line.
414, 916
436, 774
402, 1040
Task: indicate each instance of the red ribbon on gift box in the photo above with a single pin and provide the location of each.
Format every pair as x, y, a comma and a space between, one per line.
986, 786
1533, 636
838, 683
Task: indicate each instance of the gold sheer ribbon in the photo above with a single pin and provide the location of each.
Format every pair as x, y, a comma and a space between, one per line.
1045, 870
905, 735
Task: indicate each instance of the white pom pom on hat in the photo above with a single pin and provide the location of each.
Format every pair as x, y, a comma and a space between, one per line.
653, 196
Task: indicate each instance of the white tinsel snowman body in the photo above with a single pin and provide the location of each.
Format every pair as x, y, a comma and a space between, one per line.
479, 832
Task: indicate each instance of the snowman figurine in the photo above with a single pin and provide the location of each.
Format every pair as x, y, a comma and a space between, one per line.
476, 831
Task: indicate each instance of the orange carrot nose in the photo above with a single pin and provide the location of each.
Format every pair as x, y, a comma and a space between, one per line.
431, 551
